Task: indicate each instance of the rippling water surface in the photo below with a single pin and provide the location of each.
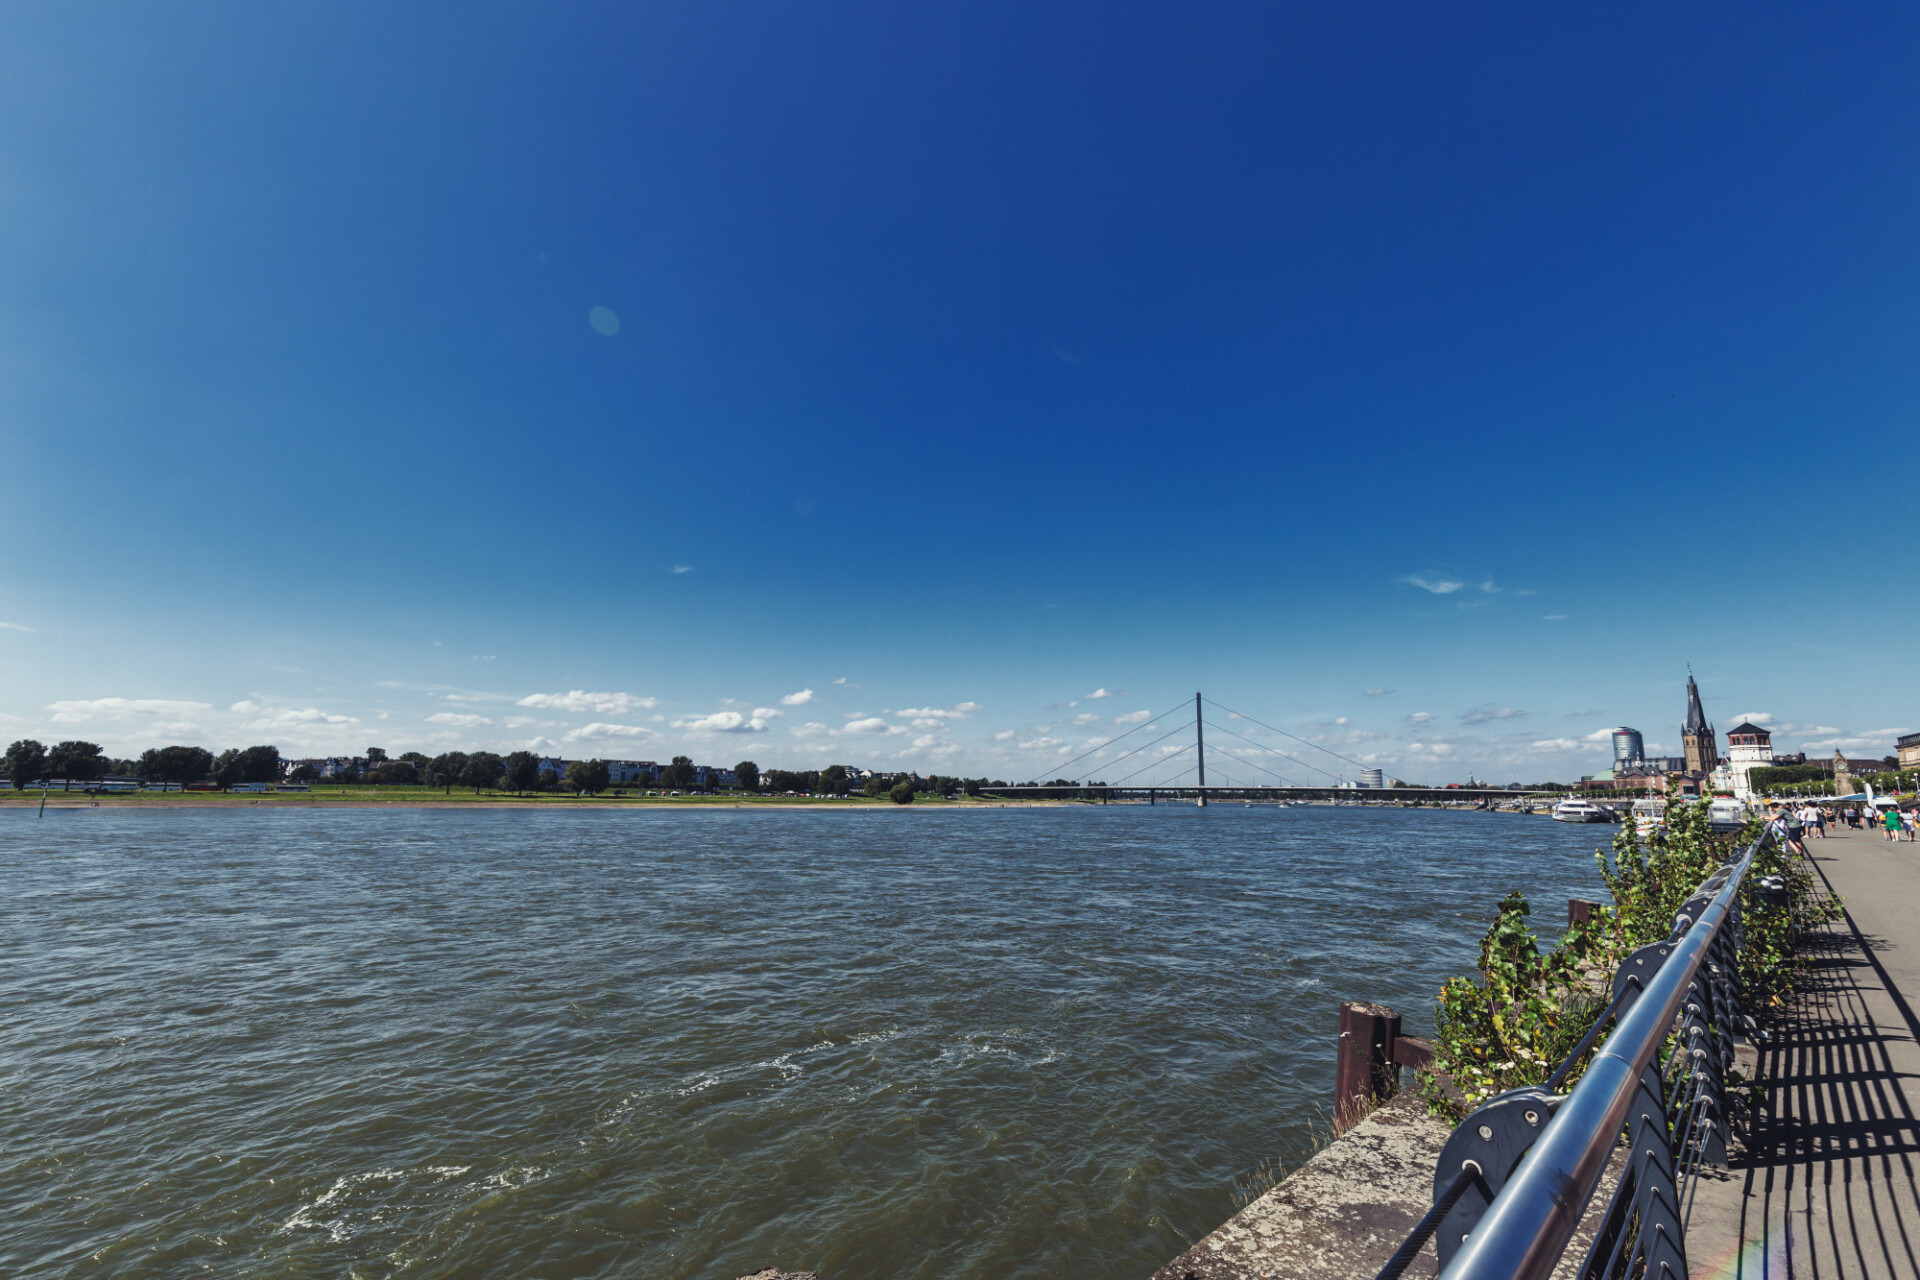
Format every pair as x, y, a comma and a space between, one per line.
880, 1044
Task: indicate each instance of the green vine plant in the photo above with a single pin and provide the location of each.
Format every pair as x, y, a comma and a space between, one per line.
1529, 1008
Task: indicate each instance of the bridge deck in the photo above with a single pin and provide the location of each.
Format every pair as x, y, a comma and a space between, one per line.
1829, 1186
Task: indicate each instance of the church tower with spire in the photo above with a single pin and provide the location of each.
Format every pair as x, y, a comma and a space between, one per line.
1696, 735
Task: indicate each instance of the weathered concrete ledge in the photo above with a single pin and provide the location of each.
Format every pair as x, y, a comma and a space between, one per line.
1341, 1215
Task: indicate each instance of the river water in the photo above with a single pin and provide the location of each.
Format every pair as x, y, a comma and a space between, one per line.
879, 1044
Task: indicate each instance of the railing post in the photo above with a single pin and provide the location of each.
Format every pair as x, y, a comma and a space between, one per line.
1365, 1071
1579, 911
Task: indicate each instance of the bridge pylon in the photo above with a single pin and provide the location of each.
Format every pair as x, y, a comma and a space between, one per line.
1200, 749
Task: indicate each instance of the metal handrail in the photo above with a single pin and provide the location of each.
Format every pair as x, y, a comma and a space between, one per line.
1528, 1225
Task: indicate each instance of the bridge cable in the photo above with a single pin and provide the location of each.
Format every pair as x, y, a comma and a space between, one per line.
1179, 728
1231, 780
1243, 760
1152, 763
1149, 723
1296, 737
1284, 755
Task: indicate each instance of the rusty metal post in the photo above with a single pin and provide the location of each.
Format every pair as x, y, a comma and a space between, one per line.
1365, 1071
1579, 910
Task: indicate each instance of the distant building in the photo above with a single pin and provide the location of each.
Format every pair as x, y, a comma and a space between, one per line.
1909, 748
1748, 748
643, 772
1628, 745
1372, 778
324, 766
1696, 735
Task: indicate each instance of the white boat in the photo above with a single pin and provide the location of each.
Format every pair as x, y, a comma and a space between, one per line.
1572, 810
1649, 816
1726, 814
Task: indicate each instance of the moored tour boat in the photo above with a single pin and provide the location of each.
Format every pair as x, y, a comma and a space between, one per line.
1572, 810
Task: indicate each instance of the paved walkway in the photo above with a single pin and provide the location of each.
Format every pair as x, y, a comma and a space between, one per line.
1828, 1186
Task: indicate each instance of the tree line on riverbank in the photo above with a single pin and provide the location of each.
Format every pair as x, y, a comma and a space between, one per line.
520, 772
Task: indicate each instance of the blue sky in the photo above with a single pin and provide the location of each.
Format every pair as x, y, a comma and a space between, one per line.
1434, 384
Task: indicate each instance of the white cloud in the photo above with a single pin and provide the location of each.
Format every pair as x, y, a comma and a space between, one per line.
1378, 693
293, 719
1005, 735
1481, 715
1086, 718
1754, 717
1600, 735
1420, 717
246, 707
599, 730
1880, 740
799, 699
1489, 588
1435, 583
811, 729
843, 680
1101, 692
1041, 743
681, 568
1340, 720
960, 711
1553, 617
729, 722
458, 720
520, 722
1133, 717
14, 626
86, 710
872, 724
581, 700
1559, 744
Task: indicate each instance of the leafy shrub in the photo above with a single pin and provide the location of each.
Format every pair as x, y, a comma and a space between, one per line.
1529, 1008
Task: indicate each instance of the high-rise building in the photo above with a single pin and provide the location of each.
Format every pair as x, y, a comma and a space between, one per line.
1628, 746
1372, 778
1696, 735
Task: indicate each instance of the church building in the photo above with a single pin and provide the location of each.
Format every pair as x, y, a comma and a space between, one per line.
1696, 735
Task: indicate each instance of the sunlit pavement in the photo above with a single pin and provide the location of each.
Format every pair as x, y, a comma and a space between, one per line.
1827, 1183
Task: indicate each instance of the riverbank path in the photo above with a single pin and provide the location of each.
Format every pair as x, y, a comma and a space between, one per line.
1828, 1185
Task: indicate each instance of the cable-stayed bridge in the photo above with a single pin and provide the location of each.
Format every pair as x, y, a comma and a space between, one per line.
1155, 768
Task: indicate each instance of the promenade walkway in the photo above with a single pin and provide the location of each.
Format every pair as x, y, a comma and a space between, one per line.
1828, 1186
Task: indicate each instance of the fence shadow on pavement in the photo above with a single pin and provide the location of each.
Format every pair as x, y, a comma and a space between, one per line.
1828, 1184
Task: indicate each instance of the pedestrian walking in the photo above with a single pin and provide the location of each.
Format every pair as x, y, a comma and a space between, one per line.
1893, 823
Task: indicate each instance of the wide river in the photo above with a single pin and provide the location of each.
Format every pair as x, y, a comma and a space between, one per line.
878, 1044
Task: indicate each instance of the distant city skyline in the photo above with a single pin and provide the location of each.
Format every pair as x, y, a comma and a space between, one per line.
1433, 385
